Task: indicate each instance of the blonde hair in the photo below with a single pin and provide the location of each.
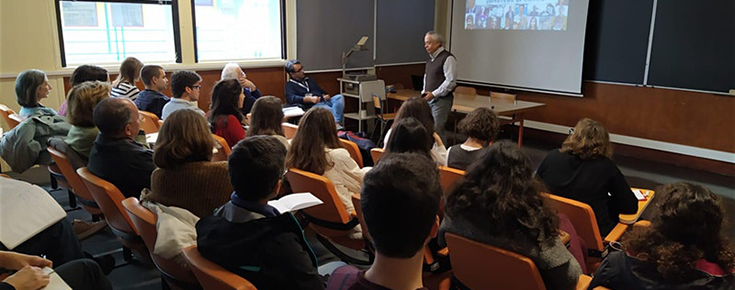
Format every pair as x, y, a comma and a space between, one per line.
183, 138
129, 71
588, 141
82, 99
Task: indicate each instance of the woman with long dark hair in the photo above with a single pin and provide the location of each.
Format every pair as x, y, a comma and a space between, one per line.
499, 203
409, 136
225, 117
684, 247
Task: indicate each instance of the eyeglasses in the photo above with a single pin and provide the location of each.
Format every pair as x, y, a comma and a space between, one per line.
198, 87
571, 131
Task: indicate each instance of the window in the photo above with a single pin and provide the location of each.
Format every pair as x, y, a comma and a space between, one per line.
98, 32
238, 29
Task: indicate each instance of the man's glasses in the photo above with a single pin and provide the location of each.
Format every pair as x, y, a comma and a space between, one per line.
198, 87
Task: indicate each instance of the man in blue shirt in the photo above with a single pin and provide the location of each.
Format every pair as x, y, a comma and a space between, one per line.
151, 99
306, 93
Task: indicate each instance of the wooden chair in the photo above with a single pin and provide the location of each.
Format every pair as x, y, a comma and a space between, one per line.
145, 223
149, 123
223, 149
330, 220
465, 90
289, 130
109, 198
376, 153
353, 150
502, 97
478, 265
381, 116
11, 118
448, 178
68, 161
584, 222
212, 276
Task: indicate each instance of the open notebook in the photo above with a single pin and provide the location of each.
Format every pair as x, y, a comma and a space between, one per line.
25, 210
294, 202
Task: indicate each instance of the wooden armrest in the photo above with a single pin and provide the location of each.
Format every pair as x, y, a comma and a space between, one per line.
616, 233
444, 252
641, 224
428, 257
565, 237
583, 282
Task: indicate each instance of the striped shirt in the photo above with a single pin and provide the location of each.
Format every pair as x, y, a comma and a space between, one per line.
124, 90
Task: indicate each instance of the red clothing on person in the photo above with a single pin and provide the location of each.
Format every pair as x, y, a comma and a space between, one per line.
230, 129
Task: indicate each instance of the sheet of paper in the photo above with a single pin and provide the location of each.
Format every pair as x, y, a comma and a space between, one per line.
151, 138
638, 194
295, 201
292, 112
55, 281
25, 210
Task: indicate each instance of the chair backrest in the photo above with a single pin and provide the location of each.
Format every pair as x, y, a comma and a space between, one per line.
150, 122
465, 90
10, 117
376, 153
63, 155
448, 178
109, 198
223, 149
212, 276
144, 221
353, 150
378, 104
358, 210
332, 209
478, 265
502, 97
5, 175
289, 130
582, 218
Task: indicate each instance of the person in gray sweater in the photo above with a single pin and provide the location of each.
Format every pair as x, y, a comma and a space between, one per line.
499, 203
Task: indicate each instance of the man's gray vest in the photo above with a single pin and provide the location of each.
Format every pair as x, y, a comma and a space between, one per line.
435, 71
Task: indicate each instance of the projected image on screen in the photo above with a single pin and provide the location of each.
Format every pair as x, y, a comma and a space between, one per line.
516, 14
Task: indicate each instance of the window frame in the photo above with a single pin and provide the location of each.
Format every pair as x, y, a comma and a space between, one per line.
194, 31
174, 17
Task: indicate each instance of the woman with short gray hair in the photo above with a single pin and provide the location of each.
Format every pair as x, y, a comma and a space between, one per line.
30, 87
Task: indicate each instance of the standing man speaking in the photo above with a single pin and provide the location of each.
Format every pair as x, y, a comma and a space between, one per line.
440, 79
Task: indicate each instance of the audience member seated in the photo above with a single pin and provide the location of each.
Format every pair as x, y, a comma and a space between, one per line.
185, 176
306, 93
266, 119
419, 109
85, 73
124, 86
582, 170
82, 100
225, 117
685, 246
250, 238
78, 274
316, 149
410, 136
116, 157
25, 145
30, 87
185, 87
400, 202
233, 71
499, 203
481, 126
152, 98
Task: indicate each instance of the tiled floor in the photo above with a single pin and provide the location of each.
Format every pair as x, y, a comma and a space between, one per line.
645, 174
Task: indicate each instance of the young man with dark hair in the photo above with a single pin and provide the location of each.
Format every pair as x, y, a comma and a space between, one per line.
185, 87
400, 202
85, 73
152, 99
306, 93
116, 157
250, 238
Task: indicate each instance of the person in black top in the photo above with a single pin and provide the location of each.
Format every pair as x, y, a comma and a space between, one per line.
116, 157
152, 99
481, 126
582, 170
685, 246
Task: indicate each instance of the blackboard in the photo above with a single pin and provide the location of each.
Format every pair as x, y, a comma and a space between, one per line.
693, 44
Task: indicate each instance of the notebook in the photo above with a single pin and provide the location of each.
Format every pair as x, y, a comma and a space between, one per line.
25, 210
294, 202
55, 281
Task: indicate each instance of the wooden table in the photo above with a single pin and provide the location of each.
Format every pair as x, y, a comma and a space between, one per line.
464, 103
642, 204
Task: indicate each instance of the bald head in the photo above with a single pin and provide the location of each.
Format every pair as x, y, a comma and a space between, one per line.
117, 118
